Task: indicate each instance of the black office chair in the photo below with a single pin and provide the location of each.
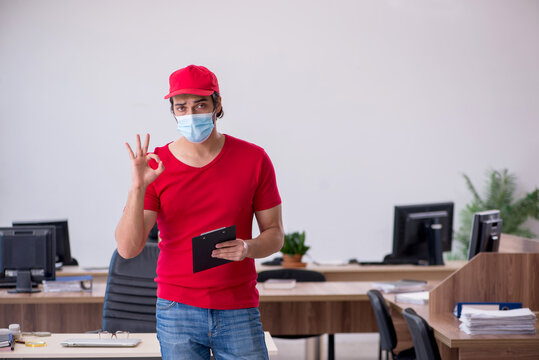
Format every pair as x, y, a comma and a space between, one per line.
425, 344
153, 236
131, 292
388, 336
300, 276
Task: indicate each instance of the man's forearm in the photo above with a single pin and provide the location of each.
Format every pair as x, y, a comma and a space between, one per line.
130, 230
268, 242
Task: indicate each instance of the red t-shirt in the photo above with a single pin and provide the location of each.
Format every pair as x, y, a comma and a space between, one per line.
191, 201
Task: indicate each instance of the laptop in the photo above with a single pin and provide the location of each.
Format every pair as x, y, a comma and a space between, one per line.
100, 342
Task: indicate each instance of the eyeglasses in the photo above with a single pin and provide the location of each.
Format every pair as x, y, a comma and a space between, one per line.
114, 335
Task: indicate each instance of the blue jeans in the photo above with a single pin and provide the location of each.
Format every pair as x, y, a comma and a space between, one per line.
188, 332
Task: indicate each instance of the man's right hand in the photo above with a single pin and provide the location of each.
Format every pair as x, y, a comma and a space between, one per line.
142, 174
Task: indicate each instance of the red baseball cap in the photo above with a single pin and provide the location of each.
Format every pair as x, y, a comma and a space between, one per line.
193, 79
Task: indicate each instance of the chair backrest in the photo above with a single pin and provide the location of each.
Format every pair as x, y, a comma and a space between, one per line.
153, 236
297, 274
425, 344
131, 292
388, 336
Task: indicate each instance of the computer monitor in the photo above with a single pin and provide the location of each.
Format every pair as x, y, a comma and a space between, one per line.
486, 231
63, 250
27, 257
421, 233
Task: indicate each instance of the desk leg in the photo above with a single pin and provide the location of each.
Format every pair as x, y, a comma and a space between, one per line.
313, 347
331, 347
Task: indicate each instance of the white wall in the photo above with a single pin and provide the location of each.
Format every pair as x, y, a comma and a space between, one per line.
361, 105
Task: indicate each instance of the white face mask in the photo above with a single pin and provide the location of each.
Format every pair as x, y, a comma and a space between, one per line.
196, 128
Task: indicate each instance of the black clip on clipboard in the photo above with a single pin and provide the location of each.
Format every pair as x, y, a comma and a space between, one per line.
204, 245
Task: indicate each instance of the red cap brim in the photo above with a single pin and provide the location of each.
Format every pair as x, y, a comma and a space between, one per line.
199, 92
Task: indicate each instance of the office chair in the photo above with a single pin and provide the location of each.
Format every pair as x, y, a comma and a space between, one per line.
131, 292
300, 276
388, 336
425, 344
153, 236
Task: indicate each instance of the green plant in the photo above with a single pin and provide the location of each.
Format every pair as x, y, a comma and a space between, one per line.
294, 243
501, 186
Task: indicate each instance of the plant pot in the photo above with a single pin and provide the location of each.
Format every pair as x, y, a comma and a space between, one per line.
293, 261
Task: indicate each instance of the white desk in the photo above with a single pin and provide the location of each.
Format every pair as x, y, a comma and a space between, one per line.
148, 348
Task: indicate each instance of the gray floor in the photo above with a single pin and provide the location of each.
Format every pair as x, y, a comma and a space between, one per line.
347, 347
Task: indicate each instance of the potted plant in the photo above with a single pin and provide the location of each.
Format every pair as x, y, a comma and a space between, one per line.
293, 250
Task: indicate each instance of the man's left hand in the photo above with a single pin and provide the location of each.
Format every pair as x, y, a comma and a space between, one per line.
235, 250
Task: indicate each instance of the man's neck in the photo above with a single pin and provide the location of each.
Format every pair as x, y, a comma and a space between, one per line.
198, 154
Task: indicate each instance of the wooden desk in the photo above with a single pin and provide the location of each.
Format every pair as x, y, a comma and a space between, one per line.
317, 308
80, 312
350, 272
327, 307
69, 312
488, 277
355, 272
456, 344
148, 348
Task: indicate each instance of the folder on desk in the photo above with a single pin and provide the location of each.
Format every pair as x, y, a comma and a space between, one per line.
459, 306
204, 245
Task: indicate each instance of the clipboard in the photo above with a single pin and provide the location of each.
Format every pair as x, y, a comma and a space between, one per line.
204, 244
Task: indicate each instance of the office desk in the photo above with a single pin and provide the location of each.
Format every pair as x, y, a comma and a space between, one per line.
79, 312
148, 348
488, 277
349, 272
68, 312
57, 312
355, 272
317, 308
327, 307
456, 344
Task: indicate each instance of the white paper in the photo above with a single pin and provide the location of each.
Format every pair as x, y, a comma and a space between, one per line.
421, 297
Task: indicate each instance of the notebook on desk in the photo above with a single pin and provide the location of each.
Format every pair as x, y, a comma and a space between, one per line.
100, 342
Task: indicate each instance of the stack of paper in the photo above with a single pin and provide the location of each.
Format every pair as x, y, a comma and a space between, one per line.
400, 286
492, 322
419, 298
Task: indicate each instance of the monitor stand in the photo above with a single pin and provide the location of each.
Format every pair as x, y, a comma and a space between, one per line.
24, 283
435, 243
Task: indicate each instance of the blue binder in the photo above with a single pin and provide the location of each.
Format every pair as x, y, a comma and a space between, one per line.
501, 306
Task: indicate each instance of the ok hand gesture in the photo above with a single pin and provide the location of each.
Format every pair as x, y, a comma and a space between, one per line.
141, 173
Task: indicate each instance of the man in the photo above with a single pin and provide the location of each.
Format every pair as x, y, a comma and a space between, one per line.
203, 181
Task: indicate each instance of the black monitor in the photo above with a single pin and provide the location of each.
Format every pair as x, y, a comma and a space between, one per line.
486, 231
63, 250
27, 256
421, 233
